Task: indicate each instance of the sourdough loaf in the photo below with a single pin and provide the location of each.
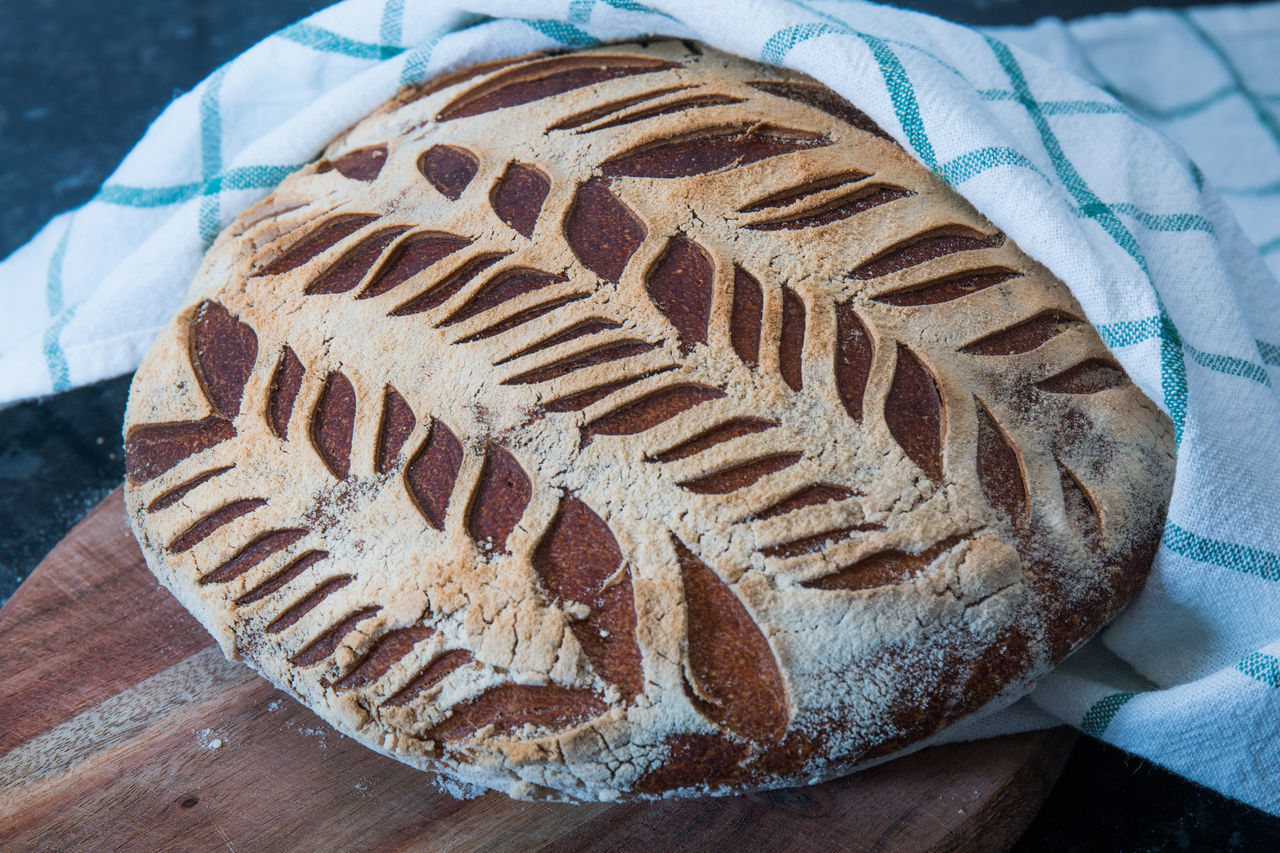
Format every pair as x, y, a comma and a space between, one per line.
637, 421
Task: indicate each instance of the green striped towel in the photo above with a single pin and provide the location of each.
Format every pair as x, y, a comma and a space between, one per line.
1138, 156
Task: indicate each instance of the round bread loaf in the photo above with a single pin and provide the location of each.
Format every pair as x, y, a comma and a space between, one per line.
635, 422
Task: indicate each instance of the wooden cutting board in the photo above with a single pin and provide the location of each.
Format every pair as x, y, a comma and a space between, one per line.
122, 727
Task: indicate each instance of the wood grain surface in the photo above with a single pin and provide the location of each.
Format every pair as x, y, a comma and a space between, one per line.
123, 728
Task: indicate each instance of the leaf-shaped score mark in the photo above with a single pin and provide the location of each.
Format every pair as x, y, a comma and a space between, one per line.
602, 354
328, 640
816, 95
711, 149
333, 424
602, 232
432, 472
398, 421
533, 81
649, 411
734, 677
223, 351
929, 246
441, 291
883, 569
999, 469
328, 233
819, 493
579, 400
205, 527
746, 316
282, 578
741, 475
817, 542
1023, 337
680, 284
294, 613
286, 382
259, 549
800, 195
499, 500
578, 561
518, 196
1081, 509
510, 707
710, 438
449, 169
913, 413
853, 356
1087, 377
520, 318
581, 329
791, 341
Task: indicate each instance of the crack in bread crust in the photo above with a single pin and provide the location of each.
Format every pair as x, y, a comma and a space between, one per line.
637, 422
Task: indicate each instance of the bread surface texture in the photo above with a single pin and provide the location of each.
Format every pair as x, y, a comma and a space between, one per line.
637, 422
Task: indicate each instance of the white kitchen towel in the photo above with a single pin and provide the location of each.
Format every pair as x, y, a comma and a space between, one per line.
1060, 133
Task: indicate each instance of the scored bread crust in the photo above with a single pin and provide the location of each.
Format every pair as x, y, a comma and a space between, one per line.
634, 422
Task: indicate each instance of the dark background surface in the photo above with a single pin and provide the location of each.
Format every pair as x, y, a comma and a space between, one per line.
80, 80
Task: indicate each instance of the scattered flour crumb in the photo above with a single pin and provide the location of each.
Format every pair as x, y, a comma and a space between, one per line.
208, 739
274, 705
316, 732
456, 788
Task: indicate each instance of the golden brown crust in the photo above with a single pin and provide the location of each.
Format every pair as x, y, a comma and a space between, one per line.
633, 422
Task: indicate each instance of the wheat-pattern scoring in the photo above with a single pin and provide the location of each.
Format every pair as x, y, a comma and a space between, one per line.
562, 423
